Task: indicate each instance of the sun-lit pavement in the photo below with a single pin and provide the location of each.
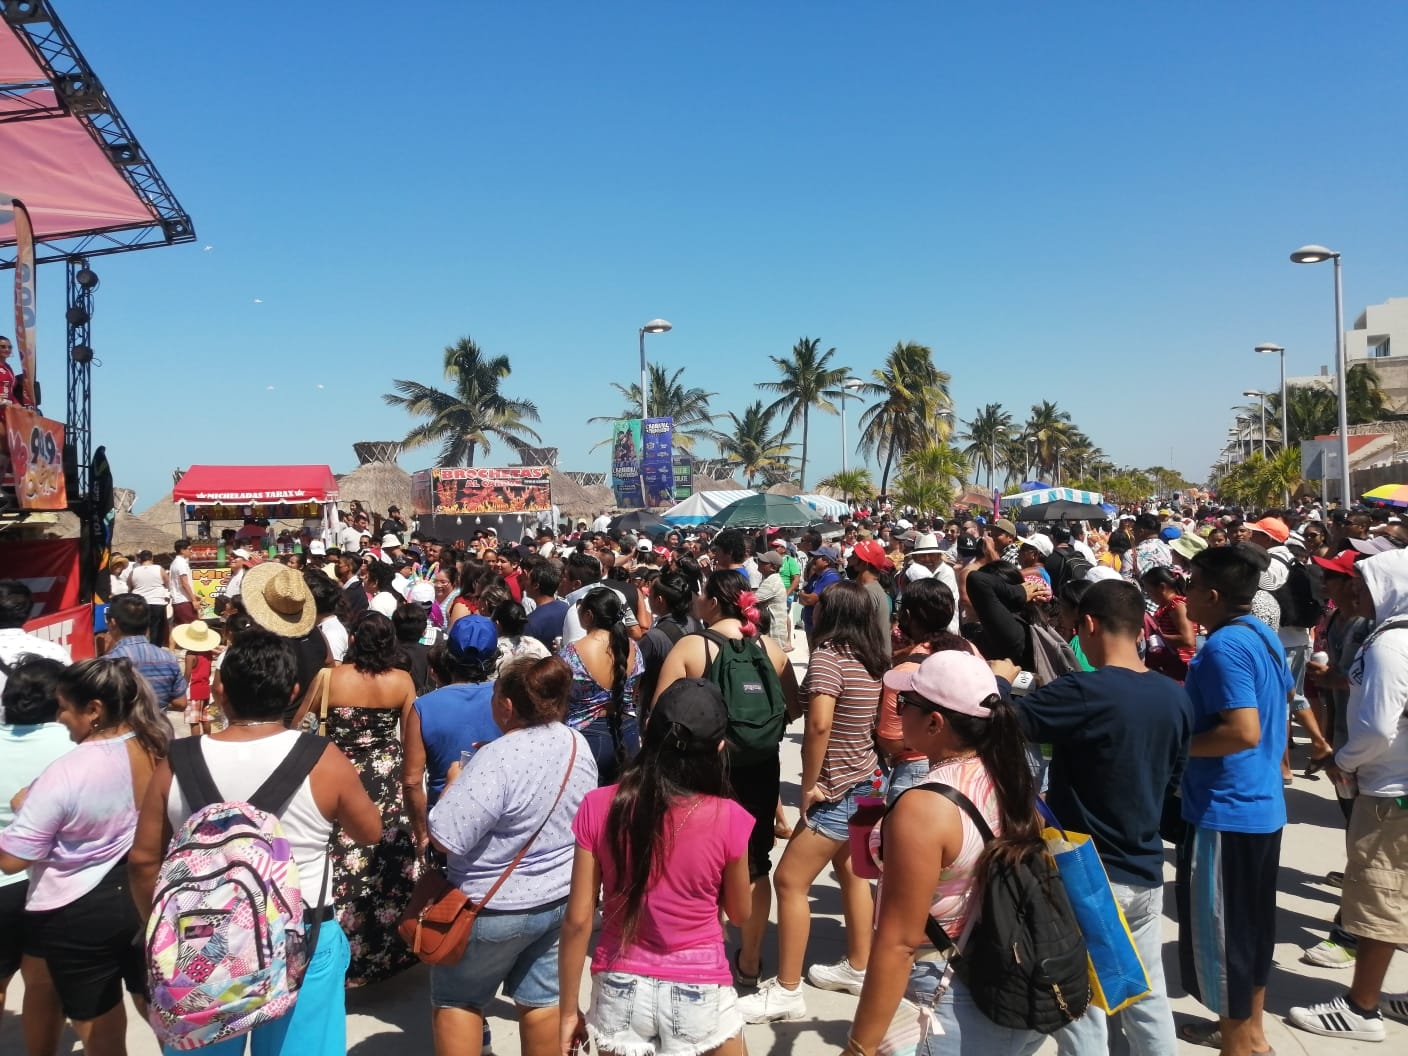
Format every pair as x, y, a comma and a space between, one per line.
393, 1019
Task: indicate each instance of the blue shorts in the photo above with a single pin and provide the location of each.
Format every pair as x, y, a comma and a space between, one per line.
635, 1013
516, 951
829, 819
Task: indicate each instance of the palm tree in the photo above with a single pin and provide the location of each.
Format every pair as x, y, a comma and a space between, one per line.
851, 483
929, 477
914, 407
669, 398
807, 381
752, 445
1368, 400
988, 433
1050, 428
472, 414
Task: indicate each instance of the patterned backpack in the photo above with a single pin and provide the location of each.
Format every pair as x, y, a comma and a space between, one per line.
229, 941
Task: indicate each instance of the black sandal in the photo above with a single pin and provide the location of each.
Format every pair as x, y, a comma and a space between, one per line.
739, 978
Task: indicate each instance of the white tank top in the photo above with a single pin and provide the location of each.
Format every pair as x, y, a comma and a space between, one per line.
238, 768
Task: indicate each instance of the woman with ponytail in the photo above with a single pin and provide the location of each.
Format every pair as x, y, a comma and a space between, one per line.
665, 849
606, 669
729, 609
952, 712
842, 691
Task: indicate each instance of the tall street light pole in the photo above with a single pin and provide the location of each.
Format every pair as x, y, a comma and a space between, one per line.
848, 389
1261, 398
655, 326
1285, 408
1318, 255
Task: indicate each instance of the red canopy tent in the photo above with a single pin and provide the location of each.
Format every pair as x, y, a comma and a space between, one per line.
255, 485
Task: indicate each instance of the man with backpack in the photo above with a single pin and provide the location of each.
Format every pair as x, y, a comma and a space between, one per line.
1065, 564
255, 806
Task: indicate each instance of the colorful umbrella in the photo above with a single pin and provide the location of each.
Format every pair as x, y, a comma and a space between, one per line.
1388, 495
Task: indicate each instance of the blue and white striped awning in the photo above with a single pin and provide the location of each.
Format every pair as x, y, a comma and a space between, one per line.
1038, 498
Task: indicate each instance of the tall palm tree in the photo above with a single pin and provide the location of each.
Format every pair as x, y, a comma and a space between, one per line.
472, 414
1050, 428
851, 483
808, 380
752, 445
987, 433
669, 398
914, 407
929, 477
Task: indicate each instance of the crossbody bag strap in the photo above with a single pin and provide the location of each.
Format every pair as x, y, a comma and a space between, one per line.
323, 701
561, 788
188, 766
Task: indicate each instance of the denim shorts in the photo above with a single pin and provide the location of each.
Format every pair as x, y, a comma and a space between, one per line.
635, 1013
829, 819
517, 951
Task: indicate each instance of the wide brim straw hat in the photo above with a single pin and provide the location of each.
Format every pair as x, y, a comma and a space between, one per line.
195, 637
278, 600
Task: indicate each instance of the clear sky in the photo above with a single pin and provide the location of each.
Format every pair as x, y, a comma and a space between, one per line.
1088, 203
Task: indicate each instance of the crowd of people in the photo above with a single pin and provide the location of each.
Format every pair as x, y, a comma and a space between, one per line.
580, 730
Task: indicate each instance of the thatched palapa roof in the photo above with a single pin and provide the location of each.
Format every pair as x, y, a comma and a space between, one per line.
132, 534
378, 483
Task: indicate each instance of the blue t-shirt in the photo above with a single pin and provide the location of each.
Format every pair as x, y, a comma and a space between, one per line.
545, 622
816, 586
452, 720
1243, 665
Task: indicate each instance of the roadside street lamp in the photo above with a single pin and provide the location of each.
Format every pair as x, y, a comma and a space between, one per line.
849, 388
655, 326
1261, 396
1318, 255
1285, 407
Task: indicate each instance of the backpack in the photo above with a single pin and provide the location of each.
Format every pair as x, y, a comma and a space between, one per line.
1299, 607
1074, 566
1025, 961
1052, 655
757, 710
228, 942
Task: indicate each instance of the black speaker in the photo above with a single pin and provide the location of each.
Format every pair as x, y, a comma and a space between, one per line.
24, 12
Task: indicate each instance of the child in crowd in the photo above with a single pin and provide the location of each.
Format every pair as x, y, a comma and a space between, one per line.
201, 644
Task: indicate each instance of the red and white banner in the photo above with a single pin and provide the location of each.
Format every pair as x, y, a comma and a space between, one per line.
49, 567
26, 306
71, 627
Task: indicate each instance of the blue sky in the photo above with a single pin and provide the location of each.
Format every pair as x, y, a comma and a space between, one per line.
1088, 203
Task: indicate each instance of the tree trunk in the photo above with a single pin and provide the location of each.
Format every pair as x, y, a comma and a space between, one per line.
802, 482
885, 473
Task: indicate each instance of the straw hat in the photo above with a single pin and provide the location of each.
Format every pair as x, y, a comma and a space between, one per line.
277, 598
195, 637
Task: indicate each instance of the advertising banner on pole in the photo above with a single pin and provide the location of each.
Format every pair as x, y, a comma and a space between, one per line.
25, 304
684, 479
33, 459
449, 490
626, 462
657, 463
49, 567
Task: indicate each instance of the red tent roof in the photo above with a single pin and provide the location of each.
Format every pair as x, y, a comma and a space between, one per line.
243, 485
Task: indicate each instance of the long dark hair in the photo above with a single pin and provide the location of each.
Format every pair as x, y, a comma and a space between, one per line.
659, 777
1002, 747
845, 621
125, 695
926, 610
607, 612
676, 591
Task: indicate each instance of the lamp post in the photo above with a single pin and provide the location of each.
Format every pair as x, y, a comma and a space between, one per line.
655, 326
1261, 398
1318, 255
1285, 408
848, 388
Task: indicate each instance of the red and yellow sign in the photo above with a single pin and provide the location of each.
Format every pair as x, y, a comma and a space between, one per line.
35, 459
455, 491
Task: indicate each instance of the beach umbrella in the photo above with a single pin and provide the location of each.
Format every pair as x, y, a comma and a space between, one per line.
756, 511
1388, 495
636, 521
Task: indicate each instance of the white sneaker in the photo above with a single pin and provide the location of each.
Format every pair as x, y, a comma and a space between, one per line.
1329, 954
772, 1002
838, 976
1335, 1019
1395, 1006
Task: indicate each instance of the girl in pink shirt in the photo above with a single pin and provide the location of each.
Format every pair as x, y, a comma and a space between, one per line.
665, 849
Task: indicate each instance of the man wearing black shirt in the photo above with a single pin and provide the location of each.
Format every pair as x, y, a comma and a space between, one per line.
1119, 738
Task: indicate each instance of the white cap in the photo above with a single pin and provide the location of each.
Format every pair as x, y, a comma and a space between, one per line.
390, 539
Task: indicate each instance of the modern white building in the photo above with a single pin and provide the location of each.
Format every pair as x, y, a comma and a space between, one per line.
1380, 332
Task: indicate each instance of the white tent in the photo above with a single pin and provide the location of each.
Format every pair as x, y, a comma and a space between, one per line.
702, 505
1045, 495
823, 506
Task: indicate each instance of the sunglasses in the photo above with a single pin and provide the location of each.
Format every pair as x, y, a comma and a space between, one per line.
912, 700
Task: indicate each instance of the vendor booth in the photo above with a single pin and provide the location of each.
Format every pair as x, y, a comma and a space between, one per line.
452, 503
306, 496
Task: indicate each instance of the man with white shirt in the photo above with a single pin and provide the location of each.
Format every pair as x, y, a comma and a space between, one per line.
183, 591
1079, 545
581, 574
17, 607
239, 561
349, 537
602, 523
927, 561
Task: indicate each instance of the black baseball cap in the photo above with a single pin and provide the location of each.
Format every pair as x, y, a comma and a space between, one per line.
689, 716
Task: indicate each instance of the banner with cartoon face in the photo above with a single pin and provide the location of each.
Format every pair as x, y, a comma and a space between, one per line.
36, 459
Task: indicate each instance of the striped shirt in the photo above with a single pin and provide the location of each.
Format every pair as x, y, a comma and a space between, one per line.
157, 665
850, 752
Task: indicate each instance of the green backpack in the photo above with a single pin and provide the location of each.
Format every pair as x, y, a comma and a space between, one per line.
757, 710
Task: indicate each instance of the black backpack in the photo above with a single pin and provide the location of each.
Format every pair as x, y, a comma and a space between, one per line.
1074, 566
1025, 962
1296, 597
753, 697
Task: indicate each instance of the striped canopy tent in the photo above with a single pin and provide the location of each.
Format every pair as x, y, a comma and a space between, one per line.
1038, 498
823, 506
702, 505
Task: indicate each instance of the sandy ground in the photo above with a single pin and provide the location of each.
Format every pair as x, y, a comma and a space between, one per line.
393, 1019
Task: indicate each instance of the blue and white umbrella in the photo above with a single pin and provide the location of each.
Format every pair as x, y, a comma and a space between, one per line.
1037, 498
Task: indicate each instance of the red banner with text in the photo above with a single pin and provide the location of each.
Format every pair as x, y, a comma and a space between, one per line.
49, 567
72, 628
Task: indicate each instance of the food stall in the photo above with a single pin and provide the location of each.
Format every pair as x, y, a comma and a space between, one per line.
452, 503
208, 495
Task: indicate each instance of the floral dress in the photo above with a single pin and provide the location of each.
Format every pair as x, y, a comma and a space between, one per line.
372, 885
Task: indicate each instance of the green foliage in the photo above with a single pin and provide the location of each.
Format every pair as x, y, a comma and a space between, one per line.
914, 409
752, 445
807, 381
930, 477
1260, 482
669, 398
851, 483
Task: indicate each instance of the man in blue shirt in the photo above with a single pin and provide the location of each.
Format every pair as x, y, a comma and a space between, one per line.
822, 574
1233, 801
128, 619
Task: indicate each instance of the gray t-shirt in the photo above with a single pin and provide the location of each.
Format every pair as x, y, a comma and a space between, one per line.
484, 818
881, 601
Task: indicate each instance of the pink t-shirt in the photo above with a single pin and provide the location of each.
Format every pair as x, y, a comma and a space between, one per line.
680, 938
77, 821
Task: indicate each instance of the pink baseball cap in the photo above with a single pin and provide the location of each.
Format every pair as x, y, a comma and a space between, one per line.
952, 680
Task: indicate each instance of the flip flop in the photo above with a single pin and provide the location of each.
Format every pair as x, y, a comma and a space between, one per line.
1209, 1035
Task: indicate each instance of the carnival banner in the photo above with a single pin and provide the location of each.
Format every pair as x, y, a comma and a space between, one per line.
49, 567
626, 462
657, 469
35, 459
25, 303
458, 491
71, 628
